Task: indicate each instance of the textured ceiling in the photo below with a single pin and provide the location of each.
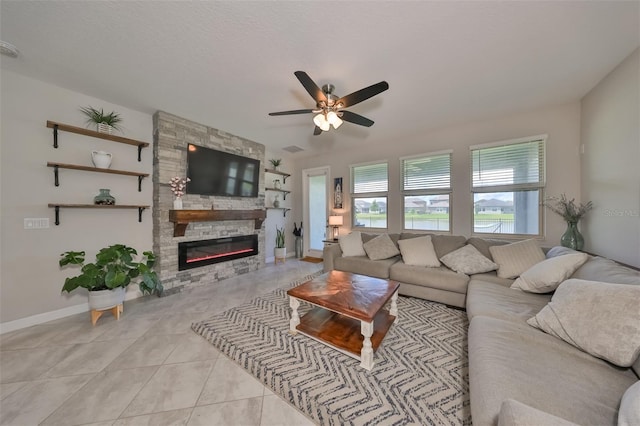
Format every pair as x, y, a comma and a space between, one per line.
228, 64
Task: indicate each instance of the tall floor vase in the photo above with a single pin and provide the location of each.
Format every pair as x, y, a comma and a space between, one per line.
572, 238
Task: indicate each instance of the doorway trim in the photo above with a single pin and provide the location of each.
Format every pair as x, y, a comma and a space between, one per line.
306, 173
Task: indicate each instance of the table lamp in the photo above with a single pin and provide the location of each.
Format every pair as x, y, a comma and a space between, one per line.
335, 222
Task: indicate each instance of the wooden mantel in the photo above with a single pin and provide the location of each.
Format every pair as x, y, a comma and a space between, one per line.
182, 218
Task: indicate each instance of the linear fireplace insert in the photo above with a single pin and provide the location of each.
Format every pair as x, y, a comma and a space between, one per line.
193, 254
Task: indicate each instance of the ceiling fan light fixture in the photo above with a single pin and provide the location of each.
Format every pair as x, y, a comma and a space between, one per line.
334, 120
321, 121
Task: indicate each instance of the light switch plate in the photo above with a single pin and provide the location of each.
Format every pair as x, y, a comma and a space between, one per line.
36, 222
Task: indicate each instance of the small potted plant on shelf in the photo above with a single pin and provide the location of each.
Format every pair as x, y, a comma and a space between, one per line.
280, 251
275, 162
105, 122
108, 277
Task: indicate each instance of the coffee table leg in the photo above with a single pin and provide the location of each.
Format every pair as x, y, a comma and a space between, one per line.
294, 304
366, 354
393, 310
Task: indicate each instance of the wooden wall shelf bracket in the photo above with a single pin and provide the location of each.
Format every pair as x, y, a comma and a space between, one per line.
182, 218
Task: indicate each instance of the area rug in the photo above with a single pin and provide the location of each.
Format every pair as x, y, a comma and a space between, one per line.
420, 374
312, 259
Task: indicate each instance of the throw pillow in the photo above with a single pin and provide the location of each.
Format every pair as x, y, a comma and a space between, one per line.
381, 247
629, 413
351, 244
468, 260
547, 275
599, 318
419, 252
513, 259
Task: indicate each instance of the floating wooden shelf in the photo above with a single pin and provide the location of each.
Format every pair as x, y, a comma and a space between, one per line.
57, 166
284, 210
182, 218
57, 206
81, 131
278, 172
284, 191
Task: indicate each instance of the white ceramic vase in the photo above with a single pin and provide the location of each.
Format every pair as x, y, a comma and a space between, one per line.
101, 159
177, 203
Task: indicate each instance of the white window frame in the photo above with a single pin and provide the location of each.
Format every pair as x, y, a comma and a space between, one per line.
418, 192
378, 194
534, 186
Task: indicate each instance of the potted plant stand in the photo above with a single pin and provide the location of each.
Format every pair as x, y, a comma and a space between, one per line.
101, 301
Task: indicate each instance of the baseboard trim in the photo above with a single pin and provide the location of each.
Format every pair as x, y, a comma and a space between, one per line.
21, 323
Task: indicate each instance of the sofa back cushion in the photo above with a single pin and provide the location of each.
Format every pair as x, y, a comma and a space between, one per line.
443, 244
513, 259
483, 244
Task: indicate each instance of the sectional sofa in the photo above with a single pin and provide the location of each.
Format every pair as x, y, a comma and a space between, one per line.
558, 355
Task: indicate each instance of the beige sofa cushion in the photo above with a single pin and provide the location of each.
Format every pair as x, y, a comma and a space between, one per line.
483, 244
440, 278
601, 319
514, 413
364, 266
351, 244
546, 276
497, 301
509, 359
629, 414
513, 259
468, 260
443, 244
380, 247
419, 252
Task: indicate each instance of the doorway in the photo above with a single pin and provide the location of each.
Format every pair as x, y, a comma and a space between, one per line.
315, 193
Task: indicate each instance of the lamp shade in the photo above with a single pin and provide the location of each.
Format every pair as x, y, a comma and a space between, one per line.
335, 220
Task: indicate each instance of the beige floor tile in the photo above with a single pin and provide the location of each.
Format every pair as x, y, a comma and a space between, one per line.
245, 412
9, 388
35, 401
192, 347
267, 391
29, 337
166, 418
107, 423
83, 331
146, 351
89, 357
30, 364
229, 382
276, 412
104, 397
129, 327
174, 386
176, 324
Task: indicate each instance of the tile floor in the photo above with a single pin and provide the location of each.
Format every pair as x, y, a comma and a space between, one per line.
148, 368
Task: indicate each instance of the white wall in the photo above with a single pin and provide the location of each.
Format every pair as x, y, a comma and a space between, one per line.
275, 218
561, 123
30, 277
610, 164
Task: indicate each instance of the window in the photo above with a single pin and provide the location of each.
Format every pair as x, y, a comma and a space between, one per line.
426, 191
369, 187
507, 182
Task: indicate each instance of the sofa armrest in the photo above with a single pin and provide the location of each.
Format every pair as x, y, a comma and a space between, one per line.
514, 413
329, 254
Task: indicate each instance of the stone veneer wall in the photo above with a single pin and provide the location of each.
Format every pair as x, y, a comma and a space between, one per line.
171, 136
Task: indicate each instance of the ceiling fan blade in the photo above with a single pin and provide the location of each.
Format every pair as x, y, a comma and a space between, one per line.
362, 94
311, 87
295, 111
354, 118
317, 131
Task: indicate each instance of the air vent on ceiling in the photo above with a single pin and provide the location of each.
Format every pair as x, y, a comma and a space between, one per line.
292, 149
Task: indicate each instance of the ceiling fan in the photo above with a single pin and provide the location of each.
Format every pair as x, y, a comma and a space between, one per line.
329, 108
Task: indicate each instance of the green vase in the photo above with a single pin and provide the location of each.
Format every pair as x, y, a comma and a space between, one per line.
104, 198
572, 238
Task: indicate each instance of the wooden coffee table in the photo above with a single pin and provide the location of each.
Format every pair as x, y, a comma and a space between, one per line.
348, 313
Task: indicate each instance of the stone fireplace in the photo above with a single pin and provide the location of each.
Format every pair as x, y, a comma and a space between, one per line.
172, 134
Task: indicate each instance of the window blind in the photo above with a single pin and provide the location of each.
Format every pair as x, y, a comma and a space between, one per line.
426, 173
370, 178
517, 165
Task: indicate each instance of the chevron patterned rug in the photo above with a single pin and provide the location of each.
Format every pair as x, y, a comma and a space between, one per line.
420, 374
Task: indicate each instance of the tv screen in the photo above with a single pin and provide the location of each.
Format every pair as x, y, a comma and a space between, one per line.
220, 173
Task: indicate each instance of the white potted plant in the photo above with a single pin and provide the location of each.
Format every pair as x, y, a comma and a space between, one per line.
280, 251
113, 270
105, 122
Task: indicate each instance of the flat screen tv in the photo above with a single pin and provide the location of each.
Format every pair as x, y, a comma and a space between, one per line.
219, 173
